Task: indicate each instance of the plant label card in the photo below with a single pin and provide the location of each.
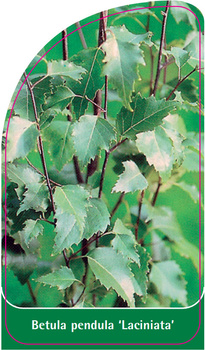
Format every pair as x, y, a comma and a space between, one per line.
102, 192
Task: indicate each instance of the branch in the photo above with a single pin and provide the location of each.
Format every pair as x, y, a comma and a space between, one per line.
161, 48
117, 145
156, 192
180, 82
31, 292
103, 173
139, 214
117, 205
65, 45
81, 35
39, 172
40, 143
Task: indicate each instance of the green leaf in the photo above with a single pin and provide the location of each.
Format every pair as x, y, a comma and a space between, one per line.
192, 153
60, 144
71, 202
190, 189
140, 278
21, 174
131, 179
22, 265
31, 230
90, 135
98, 217
157, 148
110, 268
65, 69
91, 82
168, 278
192, 46
183, 14
22, 138
62, 278
125, 243
147, 114
59, 99
181, 56
36, 197
121, 60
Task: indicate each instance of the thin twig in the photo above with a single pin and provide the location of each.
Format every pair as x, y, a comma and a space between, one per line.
39, 172
48, 221
65, 45
180, 82
139, 214
103, 173
156, 192
81, 35
120, 199
73, 304
117, 145
31, 292
78, 173
106, 97
40, 143
161, 48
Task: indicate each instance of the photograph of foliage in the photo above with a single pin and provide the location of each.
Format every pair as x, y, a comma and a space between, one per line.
102, 149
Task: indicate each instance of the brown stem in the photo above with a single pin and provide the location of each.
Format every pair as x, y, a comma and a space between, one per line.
39, 172
117, 145
73, 304
77, 170
156, 192
103, 173
166, 59
161, 47
81, 35
120, 199
65, 45
40, 143
106, 97
31, 292
180, 82
139, 214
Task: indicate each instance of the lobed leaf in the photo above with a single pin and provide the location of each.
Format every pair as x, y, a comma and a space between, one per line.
131, 179
90, 135
168, 278
111, 270
62, 278
146, 115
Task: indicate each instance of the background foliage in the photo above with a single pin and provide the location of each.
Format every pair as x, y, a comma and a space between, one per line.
103, 165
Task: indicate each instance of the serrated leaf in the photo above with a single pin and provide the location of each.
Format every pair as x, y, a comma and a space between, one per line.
90, 135
131, 179
91, 82
60, 144
59, 99
121, 60
97, 219
147, 114
140, 278
22, 138
192, 153
164, 220
192, 46
185, 104
21, 174
71, 202
168, 278
36, 197
31, 230
160, 251
157, 148
62, 278
65, 69
182, 13
181, 56
111, 270
125, 243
